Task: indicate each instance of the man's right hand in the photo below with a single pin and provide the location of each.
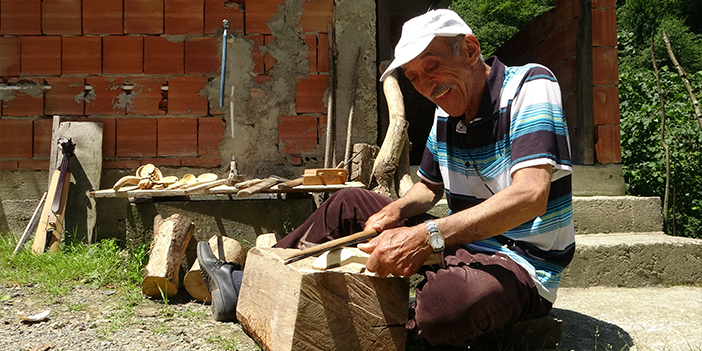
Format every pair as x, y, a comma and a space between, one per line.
388, 217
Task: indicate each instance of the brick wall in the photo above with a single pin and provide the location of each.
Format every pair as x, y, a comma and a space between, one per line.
142, 67
550, 39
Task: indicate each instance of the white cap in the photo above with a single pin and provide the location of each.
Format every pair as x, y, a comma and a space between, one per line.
418, 32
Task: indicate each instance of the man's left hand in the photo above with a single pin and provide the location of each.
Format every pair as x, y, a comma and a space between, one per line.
399, 251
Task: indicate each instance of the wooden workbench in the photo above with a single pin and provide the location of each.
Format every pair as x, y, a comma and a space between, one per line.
219, 190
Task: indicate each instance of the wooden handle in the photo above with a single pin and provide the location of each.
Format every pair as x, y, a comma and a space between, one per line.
334, 244
266, 183
291, 183
205, 186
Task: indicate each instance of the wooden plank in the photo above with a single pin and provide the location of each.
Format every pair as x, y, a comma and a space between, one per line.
319, 310
221, 190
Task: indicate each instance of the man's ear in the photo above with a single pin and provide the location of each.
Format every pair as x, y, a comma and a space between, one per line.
470, 48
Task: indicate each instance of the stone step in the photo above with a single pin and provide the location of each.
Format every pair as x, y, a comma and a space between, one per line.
634, 260
604, 214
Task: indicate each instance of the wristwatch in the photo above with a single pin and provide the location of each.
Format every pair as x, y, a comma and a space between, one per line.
436, 239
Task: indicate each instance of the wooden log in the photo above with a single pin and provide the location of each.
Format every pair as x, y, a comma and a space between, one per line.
396, 137
193, 282
403, 180
171, 237
266, 240
293, 307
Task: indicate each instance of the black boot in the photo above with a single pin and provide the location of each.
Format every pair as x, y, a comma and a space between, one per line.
218, 277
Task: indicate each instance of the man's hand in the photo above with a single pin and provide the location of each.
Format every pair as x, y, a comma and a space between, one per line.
398, 251
386, 218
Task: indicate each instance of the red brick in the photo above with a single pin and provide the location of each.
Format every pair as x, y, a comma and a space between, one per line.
552, 50
261, 79
105, 98
42, 138
311, 42
604, 27
204, 162
608, 146
268, 59
66, 96
310, 94
185, 17
8, 165
258, 12
161, 162
146, 96
297, 134
60, 17
184, 96
202, 55
108, 135
41, 55
136, 137
323, 53
256, 55
24, 104
122, 55
218, 10
122, 164
316, 14
15, 138
297, 161
102, 16
9, 56
565, 73
605, 69
605, 105
162, 56
603, 3
20, 17
143, 16
33, 165
81, 55
177, 137
209, 134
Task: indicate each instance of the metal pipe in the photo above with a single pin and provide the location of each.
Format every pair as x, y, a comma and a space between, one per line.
225, 35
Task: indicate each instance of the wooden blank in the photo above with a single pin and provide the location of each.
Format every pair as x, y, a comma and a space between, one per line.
293, 307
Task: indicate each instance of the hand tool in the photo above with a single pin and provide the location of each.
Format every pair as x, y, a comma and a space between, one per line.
346, 255
334, 244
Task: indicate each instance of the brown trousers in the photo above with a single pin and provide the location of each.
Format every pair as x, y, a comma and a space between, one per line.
468, 295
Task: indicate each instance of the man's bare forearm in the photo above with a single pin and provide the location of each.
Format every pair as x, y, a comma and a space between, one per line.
419, 199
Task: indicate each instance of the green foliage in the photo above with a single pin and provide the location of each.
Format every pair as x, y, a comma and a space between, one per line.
642, 153
495, 21
99, 265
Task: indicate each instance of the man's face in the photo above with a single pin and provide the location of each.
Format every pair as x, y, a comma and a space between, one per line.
446, 79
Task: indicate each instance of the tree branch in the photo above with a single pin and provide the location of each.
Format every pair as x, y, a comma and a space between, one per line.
683, 76
665, 145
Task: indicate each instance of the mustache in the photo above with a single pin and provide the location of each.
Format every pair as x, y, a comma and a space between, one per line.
441, 88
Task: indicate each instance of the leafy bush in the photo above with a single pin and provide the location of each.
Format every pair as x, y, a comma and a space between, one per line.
642, 153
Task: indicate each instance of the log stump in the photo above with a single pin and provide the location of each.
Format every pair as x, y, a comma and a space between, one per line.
171, 237
293, 307
193, 282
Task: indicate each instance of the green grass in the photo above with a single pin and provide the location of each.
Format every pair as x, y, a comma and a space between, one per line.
102, 265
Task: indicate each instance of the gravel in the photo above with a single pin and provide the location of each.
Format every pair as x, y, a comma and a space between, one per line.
88, 319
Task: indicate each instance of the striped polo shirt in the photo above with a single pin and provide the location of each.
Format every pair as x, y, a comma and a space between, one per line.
520, 123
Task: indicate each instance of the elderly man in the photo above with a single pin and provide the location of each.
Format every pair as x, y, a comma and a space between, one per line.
499, 152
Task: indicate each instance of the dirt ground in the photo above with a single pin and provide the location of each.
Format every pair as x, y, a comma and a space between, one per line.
88, 319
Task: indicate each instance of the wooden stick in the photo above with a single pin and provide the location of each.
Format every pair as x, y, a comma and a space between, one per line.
32, 225
330, 145
683, 76
349, 123
266, 183
334, 244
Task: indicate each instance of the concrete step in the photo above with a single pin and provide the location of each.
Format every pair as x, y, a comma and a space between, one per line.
605, 214
634, 260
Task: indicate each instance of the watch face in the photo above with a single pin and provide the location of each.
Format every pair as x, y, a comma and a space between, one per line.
436, 241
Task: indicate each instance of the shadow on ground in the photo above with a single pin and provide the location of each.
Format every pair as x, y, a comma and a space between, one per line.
582, 332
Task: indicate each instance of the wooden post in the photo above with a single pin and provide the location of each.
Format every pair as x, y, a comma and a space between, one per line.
293, 307
193, 282
362, 165
171, 237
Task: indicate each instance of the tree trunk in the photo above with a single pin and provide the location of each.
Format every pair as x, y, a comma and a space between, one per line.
171, 237
293, 307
